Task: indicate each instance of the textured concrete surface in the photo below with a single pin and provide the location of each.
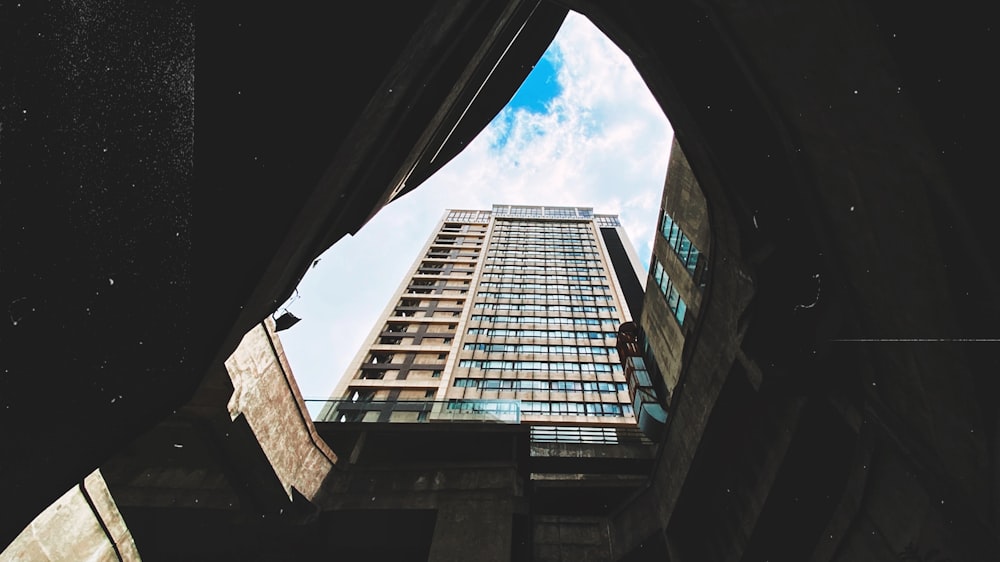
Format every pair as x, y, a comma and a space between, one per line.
264, 391
83, 524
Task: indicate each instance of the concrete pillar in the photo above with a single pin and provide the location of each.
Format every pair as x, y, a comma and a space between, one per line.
473, 529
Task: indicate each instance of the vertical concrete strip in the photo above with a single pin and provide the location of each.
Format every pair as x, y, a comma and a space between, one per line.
95, 491
83, 524
472, 529
264, 391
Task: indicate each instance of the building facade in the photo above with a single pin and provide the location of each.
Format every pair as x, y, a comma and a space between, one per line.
510, 314
678, 270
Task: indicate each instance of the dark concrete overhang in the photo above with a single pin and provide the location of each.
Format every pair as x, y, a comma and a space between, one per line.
125, 282
859, 135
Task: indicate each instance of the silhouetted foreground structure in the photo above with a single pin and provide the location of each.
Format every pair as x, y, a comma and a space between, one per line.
836, 399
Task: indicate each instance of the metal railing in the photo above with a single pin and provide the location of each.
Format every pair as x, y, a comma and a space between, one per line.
475, 411
588, 435
415, 411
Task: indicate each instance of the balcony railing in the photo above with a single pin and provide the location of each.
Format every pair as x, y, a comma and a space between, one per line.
470, 411
415, 411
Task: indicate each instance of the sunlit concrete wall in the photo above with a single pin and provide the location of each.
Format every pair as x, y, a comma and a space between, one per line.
264, 391
83, 524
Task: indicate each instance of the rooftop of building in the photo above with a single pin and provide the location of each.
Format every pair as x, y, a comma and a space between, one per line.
533, 212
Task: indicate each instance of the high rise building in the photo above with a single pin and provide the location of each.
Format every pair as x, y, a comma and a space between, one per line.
510, 314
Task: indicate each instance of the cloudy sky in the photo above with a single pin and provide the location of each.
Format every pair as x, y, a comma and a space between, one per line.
583, 130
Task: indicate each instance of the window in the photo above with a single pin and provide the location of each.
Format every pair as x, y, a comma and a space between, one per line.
675, 303
379, 358
590, 386
680, 243
533, 407
681, 310
551, 366
566, 385
537, 348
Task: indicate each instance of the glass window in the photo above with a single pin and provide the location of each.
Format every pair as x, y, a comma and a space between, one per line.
692, 262
683, 247
674, 235
666, 225
672, 298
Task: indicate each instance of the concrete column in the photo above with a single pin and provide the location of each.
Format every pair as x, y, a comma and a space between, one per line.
473, 529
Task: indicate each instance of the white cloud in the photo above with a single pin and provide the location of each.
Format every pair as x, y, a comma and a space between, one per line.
604, 144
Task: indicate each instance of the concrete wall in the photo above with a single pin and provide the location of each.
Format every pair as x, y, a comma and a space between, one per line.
83, 524
243, 449
570, 539
265, 392
683, 200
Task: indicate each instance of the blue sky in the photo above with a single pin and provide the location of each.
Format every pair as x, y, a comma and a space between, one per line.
540, 87
535, 95
583, 130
